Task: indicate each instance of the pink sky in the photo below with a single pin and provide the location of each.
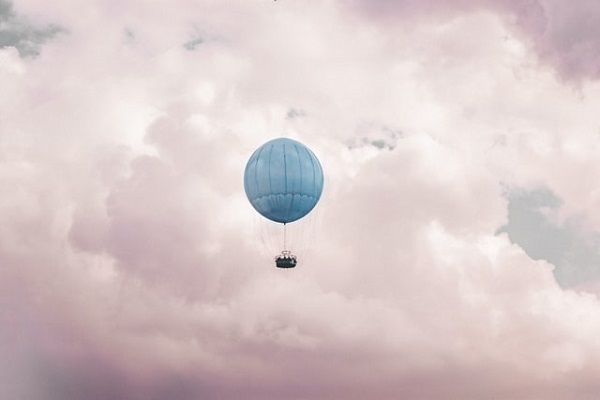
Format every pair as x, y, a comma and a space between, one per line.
133, 267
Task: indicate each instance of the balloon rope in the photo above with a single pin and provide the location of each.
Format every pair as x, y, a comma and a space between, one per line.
284, 237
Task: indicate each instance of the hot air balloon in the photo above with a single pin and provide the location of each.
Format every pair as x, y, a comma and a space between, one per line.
283, 181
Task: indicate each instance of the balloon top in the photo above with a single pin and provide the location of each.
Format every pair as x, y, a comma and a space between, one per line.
283, 180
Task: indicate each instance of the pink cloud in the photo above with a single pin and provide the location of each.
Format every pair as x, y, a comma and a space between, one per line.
131, 265
564, 36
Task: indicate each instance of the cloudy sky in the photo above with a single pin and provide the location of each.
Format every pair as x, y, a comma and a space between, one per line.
455, 253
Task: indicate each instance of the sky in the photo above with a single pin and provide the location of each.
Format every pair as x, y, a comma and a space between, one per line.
453, 255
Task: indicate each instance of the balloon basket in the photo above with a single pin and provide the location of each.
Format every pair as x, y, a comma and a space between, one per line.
286, 260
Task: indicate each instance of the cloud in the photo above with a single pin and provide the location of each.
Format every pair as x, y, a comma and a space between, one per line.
294, 113
534, 224
192, 44
380, 137
18, 33
564, 37
133, 267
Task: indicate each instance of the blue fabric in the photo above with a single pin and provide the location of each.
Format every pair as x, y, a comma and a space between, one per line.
283, 180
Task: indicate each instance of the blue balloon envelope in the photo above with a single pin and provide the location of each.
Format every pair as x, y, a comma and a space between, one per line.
283, 180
